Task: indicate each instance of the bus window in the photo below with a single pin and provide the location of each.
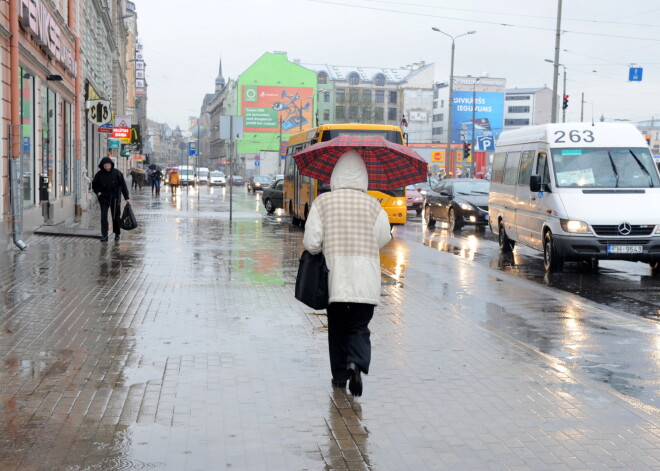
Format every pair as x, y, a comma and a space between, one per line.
511, 168
392, 136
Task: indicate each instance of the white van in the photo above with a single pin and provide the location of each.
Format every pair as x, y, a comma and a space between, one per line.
577, 192
202, 175
187, 174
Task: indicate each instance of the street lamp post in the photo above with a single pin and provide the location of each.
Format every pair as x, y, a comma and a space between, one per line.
563, 111
474, 109
448, 157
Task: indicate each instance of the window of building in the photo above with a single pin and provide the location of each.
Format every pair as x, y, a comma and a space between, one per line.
438, 117
393, 97
28, 153
516, 122
442, 103
366, 115
354, 79
326, 96
391, 114
518, 109
353, 112
68, 151
339, 112
518, 97
353, 95
366, 96
438, 131
322, 78
379, 80
326, 115
49, 138
340, 93
379, 114
380, 96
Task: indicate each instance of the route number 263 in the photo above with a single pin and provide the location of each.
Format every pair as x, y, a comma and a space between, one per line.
574, 136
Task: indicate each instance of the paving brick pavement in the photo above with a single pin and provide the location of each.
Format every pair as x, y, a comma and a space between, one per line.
182, 347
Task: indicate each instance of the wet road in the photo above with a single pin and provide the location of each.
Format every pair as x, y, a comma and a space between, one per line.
572, 320
181, 347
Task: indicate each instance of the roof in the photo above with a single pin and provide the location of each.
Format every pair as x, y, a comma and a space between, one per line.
524, 91
366, 74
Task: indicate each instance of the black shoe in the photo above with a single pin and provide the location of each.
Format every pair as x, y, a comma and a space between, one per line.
338, 383
104, 238
355, 379
116, 236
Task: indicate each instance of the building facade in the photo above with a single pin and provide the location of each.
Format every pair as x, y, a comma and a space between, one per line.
376, 95
58, 56
527, 107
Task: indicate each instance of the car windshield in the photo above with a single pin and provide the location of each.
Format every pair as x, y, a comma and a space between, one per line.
261, 179
480, 187
217, 174
604, 168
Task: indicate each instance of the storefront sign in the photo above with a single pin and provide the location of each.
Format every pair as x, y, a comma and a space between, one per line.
36, 19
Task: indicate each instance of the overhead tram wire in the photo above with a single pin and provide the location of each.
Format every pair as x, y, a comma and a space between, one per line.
553, 18
495, 23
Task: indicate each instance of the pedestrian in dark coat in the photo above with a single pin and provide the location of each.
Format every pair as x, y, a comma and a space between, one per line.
109, 185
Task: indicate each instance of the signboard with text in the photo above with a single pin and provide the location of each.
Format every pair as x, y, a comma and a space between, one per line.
122, 127
265, 106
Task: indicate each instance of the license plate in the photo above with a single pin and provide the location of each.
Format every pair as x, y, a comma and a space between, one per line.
625, 249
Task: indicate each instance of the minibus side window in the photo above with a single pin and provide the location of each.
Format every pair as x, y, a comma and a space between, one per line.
511, 168
542, 168
525, 167
498, 167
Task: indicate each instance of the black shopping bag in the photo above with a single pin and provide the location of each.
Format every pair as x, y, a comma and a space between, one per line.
128, 221
312, 280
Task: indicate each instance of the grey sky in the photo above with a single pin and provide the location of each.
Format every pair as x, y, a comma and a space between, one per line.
183, 42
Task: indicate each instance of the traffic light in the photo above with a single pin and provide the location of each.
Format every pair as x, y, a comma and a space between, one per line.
466, 150
565, 105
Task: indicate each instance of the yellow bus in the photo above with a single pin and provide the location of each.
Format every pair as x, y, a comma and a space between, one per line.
300, 190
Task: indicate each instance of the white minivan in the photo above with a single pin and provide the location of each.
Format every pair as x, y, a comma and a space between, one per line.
577, 192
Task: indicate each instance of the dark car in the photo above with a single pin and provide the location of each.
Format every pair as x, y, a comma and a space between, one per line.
258, 183
458, 202
273, 196
237, 180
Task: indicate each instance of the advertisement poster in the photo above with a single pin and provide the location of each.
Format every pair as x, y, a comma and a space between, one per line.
264, 107
488, 119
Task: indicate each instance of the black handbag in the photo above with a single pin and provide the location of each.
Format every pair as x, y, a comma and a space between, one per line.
312, 280
127, 220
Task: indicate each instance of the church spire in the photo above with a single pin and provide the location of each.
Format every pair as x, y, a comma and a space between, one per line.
219, 80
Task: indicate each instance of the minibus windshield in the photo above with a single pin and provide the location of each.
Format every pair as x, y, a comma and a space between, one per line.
619, 167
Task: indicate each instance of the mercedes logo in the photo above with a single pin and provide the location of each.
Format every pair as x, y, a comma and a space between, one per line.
625, 228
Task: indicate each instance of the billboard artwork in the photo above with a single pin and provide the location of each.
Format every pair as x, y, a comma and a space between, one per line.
264, 107
488, 118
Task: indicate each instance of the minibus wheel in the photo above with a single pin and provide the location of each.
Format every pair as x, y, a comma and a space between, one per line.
551, 259
506, 244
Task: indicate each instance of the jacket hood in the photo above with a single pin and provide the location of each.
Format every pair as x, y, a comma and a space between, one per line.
350, 172
106, 160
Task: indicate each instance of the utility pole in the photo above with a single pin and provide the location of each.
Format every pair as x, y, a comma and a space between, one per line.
582, 109
556, 63
279, 151
474, 109
563, 111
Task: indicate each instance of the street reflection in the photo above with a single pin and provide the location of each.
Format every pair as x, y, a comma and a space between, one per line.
347, 437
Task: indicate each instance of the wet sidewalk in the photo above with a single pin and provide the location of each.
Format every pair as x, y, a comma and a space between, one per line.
182, 347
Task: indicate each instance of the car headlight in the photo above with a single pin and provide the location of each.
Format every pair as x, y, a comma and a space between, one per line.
423, 192
466, 206
574, 227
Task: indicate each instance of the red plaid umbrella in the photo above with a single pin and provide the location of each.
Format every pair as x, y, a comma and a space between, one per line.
389, 165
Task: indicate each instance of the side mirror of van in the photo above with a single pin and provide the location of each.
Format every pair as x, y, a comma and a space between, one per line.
535, 183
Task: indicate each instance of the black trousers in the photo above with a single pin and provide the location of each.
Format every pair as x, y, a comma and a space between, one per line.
115, 211
348, 337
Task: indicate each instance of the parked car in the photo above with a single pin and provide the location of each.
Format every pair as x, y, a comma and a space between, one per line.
237, 180
277, 177
217, 178
273, 196
414, 200
258, 183
458, 202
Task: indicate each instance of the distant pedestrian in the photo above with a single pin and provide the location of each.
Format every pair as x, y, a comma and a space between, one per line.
156, 177
350, 227
134, 179
175, 180
109, 185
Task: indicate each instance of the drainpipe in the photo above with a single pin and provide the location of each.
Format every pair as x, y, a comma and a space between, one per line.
14, 128
78, 105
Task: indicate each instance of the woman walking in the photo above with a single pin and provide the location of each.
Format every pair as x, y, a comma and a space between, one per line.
350, 227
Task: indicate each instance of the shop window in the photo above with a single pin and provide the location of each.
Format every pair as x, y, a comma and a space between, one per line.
28, 153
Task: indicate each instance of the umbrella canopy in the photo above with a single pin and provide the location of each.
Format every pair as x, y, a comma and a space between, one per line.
389, 165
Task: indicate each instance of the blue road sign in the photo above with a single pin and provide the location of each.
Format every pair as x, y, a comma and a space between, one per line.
192, 149
257, 163
26, 144
635, 74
